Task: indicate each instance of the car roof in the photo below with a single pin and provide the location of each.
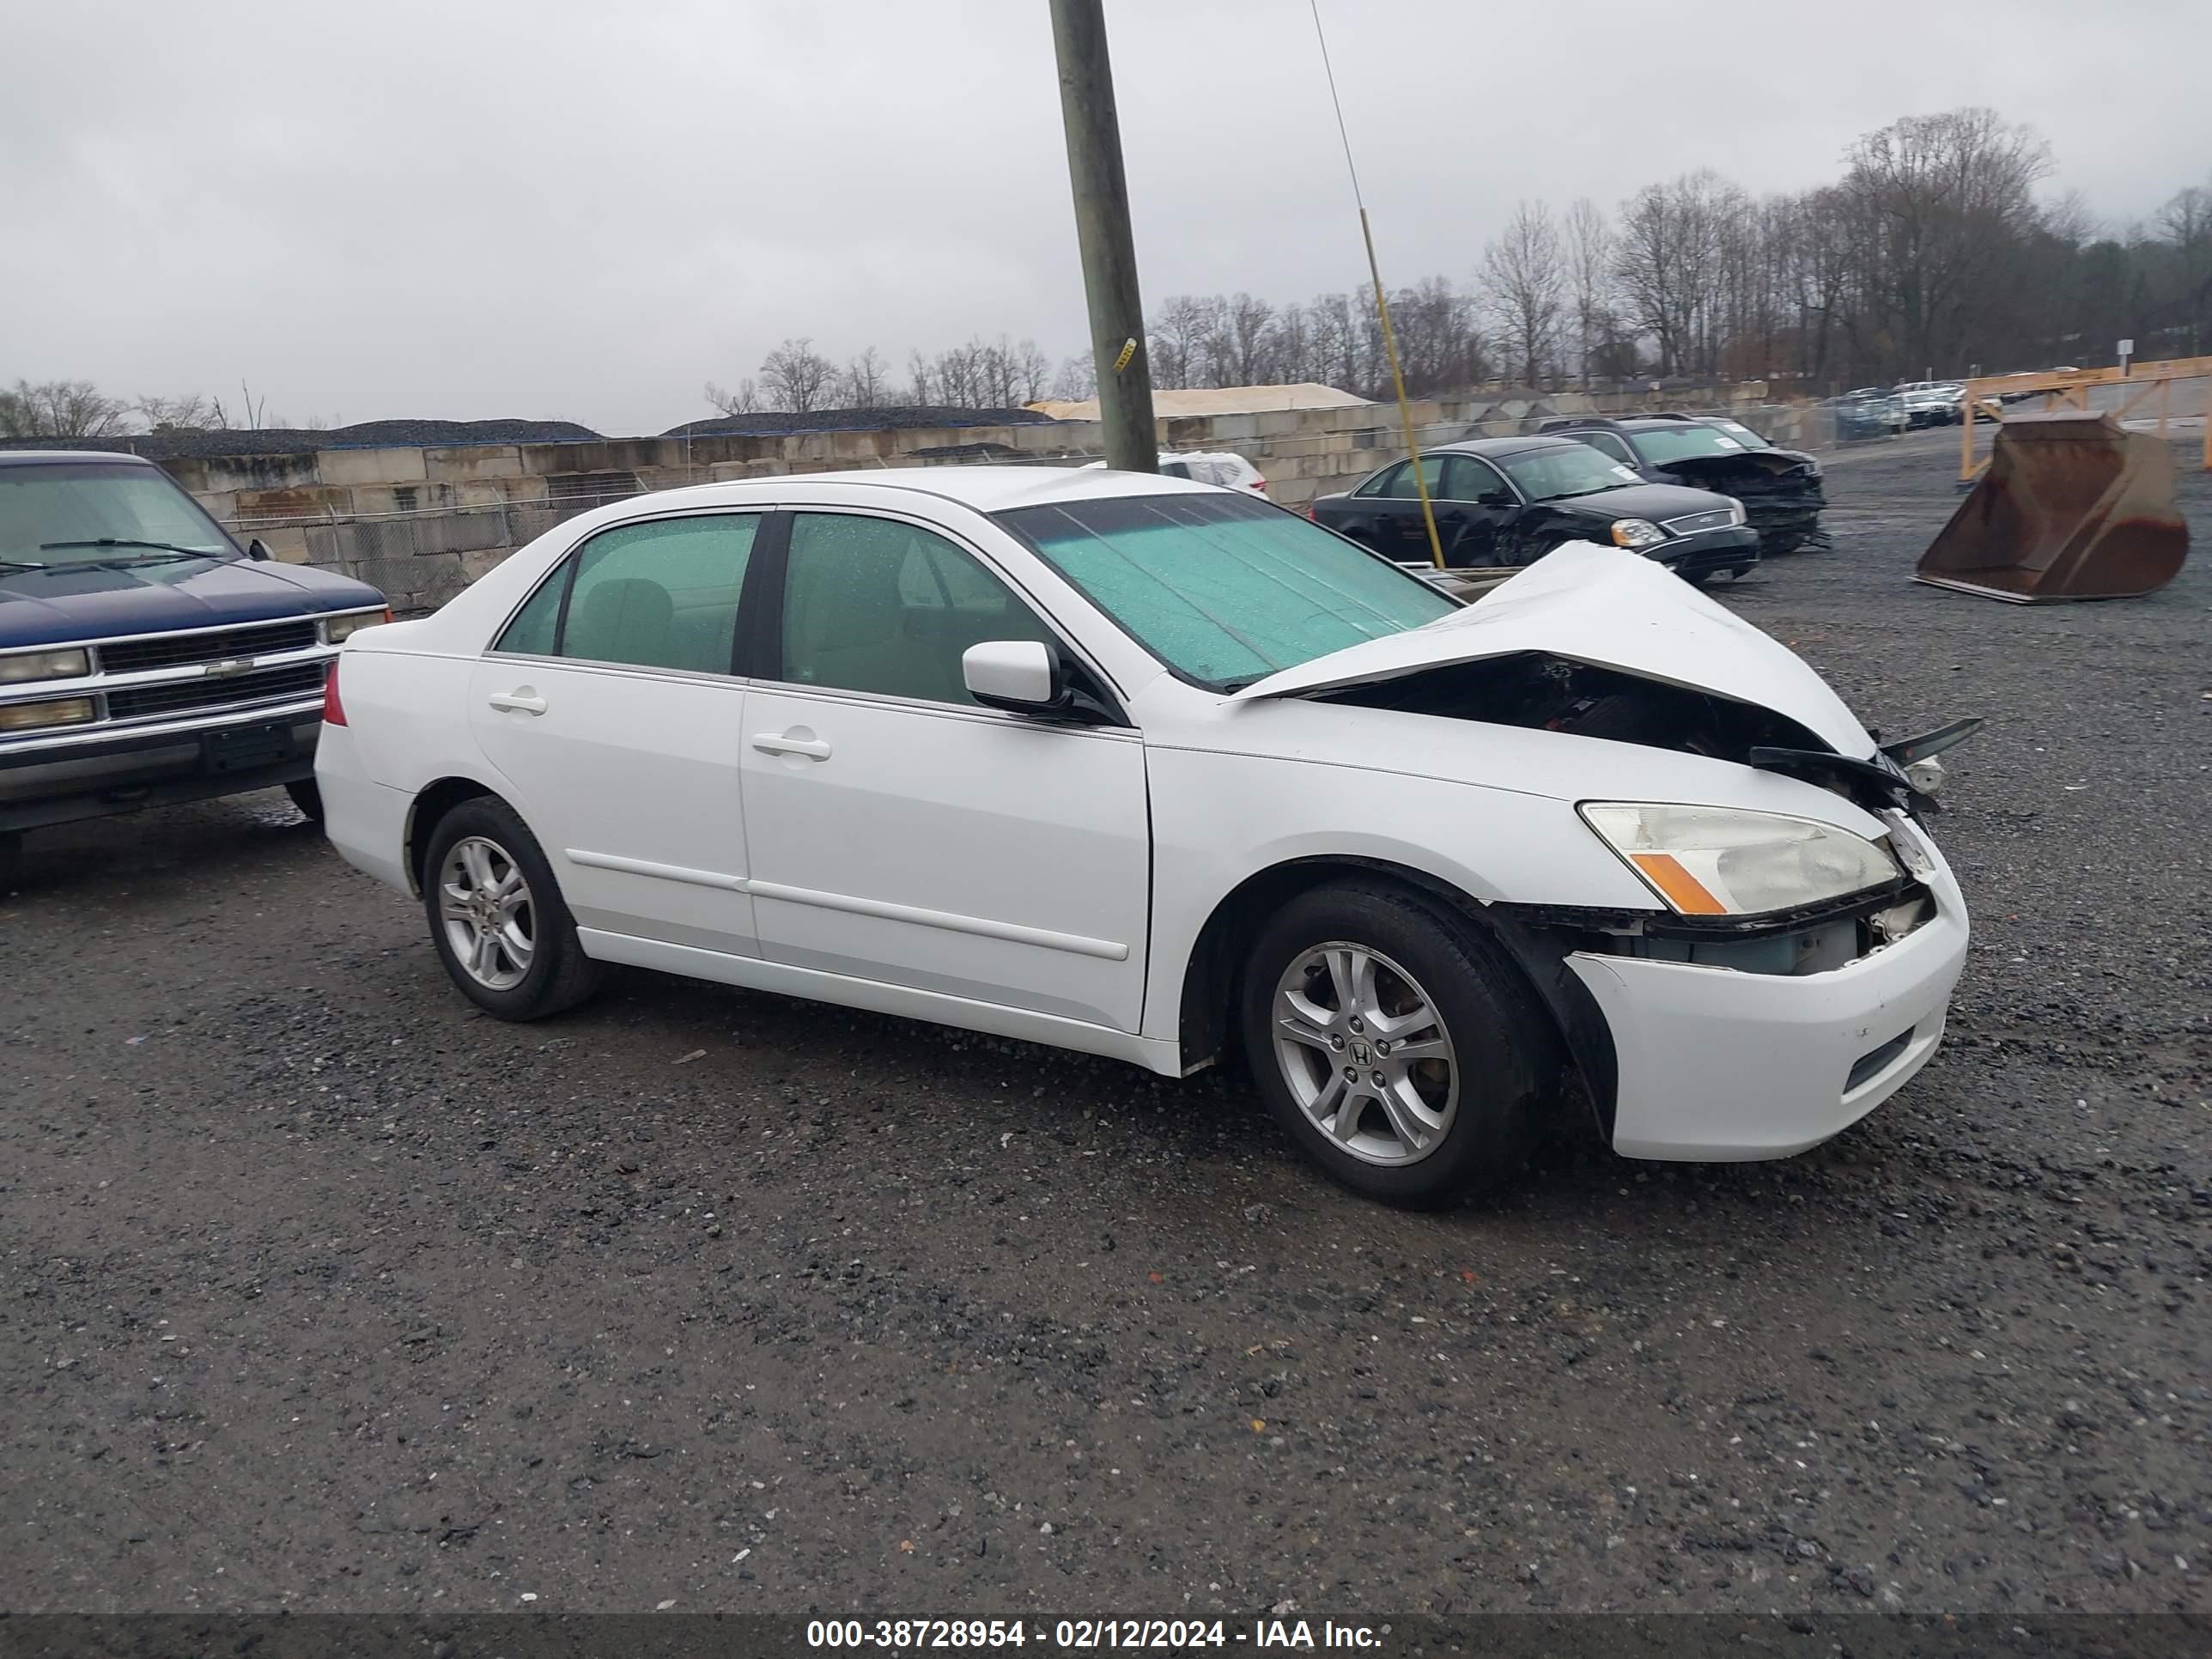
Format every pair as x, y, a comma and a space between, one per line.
55, 457
1496, 446
986, 489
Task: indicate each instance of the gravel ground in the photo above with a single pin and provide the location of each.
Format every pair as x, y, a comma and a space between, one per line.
321, 1292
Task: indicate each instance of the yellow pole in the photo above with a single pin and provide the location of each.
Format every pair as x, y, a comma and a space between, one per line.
1967, 436
1405, 409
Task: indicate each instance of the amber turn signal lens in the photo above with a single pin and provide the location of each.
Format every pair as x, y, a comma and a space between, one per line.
1684, 890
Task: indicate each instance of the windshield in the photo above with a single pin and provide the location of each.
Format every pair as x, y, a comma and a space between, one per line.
1661, 447
74, 512
1224, 589
1570, 468
1742, 434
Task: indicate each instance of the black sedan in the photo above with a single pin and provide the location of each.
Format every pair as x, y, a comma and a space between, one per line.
1779, 488
1508, 501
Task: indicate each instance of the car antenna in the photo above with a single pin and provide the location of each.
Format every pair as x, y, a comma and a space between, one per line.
1382, 304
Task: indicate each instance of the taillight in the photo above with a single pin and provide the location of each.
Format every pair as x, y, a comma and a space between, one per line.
1309, 512
1260, 484
333, 710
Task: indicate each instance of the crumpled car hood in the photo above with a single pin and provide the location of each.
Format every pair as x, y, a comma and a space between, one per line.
1610, 608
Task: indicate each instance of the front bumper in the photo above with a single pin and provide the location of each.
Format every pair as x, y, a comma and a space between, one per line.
52, 782
1715, 1064
1735, 547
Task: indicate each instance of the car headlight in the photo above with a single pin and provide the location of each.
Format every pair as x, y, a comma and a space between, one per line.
1735, 513
336, 631
1636, 533
19, 665
51, 711
1720, 862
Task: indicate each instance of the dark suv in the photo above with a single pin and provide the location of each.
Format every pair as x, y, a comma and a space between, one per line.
145, 657
1510, 501
1780, 488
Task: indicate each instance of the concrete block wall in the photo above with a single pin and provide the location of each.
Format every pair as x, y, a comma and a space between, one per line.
422, 524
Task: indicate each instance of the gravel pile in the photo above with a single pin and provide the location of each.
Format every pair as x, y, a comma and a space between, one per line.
324, 1292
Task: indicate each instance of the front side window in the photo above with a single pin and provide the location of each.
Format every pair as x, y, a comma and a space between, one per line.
1467, 479
1224, 589
56, 514
657, 595
880, 605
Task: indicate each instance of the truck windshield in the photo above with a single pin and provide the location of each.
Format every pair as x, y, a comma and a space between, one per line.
1222, 588
65, 512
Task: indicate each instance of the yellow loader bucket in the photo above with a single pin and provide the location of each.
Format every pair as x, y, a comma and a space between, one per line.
2073, 506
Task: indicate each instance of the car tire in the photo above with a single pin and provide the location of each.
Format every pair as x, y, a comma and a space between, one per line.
307, 796
1424, 1134
515, 956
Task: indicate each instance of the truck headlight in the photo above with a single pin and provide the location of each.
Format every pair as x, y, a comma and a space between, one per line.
52, 711
336, 631
1636, 533
1721, 861
19, 665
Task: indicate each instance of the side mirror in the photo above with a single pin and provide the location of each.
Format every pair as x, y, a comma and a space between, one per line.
254, 549
1020, 676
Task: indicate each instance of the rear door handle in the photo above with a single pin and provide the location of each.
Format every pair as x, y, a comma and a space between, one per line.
520, 701
770, 743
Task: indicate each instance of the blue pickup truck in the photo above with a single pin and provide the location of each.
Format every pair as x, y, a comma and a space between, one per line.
145, 657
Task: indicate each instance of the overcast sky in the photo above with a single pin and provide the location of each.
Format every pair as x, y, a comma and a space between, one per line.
570, 209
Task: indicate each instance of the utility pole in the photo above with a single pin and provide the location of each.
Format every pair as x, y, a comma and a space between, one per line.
1102, 231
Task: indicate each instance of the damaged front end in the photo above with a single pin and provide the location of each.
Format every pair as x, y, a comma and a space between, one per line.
1545, 691
1781, 494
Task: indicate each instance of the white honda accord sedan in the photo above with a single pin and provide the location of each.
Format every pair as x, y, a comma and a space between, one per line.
1145, 768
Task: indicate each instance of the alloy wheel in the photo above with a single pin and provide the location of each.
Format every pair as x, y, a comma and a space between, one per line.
484, 904
1365, 1053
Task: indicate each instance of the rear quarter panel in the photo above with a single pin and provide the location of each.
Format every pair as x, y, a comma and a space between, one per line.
408, 716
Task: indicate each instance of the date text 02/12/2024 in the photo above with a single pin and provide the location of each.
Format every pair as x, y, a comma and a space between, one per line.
1086, 1634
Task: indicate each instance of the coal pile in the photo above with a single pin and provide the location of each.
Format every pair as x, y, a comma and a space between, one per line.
289, 440
768, 423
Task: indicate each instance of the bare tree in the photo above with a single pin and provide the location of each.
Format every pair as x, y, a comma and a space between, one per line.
742, 401
60, 409
1667, 261
865, 384
1589, 248
1179, 334
796, 377
188, 413
1078, 380
1524, 279
2185, 223
252, 414
1941, 200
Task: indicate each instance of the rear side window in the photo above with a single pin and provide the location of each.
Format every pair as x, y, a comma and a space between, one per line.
658, 595
1608, 445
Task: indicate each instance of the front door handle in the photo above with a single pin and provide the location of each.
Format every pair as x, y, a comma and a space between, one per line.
770, 743
521, 700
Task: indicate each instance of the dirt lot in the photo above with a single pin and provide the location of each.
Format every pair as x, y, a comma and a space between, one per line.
320, 1292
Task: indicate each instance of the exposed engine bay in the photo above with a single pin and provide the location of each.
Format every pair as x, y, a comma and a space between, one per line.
1558, 694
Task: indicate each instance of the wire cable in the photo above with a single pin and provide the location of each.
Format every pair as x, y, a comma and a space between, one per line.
1381, 303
